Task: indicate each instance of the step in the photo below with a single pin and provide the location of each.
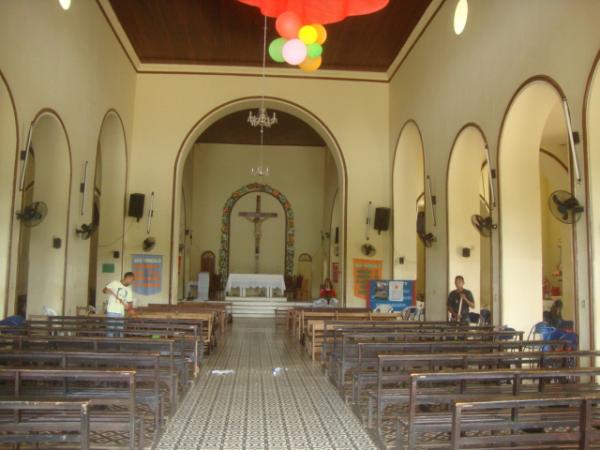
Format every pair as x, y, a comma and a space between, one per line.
259, 306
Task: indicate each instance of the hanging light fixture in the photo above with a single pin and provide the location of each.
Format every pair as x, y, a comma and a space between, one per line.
461, 15
262, 119
65, 4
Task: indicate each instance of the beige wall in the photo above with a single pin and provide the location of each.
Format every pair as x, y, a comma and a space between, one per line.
352, 115
297, 172
448, 81
71, 63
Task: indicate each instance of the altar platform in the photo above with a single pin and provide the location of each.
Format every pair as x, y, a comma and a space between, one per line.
260, 306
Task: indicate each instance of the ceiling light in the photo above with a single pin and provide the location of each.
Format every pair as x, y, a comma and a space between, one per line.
65, 4
461, 14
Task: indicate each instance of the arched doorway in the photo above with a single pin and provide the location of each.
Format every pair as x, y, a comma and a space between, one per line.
536, 249
469, 250
409, 208
246, 104
8, 149
108, 210
43, 237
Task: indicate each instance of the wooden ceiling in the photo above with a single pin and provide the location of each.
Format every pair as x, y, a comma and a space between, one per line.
229, 33
234, 129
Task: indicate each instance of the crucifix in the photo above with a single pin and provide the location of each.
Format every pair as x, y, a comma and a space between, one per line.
257, 218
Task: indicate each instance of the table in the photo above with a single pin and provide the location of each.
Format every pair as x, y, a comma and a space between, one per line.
255, 280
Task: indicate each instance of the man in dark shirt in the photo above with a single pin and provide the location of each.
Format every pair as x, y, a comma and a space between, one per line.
459, 301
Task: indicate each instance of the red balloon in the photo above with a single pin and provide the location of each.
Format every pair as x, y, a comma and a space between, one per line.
288, 24
318, 11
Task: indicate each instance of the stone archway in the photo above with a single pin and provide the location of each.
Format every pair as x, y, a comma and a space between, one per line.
290, 231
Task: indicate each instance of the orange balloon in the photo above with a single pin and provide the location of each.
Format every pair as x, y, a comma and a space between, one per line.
321, 33
311, 64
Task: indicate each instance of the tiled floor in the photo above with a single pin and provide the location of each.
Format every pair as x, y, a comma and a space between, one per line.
258, 391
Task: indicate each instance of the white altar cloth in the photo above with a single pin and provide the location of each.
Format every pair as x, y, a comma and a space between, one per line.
255, 280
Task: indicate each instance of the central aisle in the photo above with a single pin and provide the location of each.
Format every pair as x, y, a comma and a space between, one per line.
259, 392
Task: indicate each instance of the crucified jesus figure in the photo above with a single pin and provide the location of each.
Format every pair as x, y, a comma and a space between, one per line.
257, 218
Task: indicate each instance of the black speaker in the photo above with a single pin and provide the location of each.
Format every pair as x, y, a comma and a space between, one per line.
382, 219
466, 252
136, 206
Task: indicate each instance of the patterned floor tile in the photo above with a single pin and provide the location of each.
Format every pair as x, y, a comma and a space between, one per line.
259, 391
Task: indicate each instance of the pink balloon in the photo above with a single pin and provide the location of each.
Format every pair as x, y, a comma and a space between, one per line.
294, 52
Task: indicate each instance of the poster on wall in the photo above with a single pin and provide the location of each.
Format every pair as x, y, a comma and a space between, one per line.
365, 270
148, 274
391, 295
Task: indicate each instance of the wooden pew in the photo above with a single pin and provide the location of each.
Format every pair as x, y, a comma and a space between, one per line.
148, 375
394, 371
188, 335
442, 389
207, 318
44, 384
172, 357
318, 331
334, 329
345, 356
34, 422
504, 422
365, 375
296, 316
340, 314
155, 321
222, 310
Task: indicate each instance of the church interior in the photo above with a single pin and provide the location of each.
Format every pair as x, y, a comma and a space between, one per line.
299, 224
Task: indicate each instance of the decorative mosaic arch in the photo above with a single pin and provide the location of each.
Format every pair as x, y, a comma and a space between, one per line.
290, 230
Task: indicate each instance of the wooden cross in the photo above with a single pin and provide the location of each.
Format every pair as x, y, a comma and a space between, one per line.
257, 218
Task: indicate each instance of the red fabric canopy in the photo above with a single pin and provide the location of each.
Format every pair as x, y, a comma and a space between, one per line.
318, 11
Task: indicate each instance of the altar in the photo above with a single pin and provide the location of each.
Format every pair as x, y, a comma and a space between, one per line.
244, 281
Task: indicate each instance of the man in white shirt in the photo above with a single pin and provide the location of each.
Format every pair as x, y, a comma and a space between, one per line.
120, 298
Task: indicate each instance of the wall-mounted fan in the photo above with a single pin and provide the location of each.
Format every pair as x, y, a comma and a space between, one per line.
85, 231
33, 214
148, 244
368, 250
484, 225
565, 207
427, 238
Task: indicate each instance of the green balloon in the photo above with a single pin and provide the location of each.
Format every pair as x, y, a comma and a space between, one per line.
276, 50
315, 50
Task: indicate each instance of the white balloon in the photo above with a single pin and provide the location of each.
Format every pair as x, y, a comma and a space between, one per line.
294, 52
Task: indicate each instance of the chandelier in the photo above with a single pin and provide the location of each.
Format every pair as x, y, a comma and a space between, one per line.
262, 119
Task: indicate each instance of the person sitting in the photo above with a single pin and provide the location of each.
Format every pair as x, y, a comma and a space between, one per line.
327, 294
555, 318
459, 301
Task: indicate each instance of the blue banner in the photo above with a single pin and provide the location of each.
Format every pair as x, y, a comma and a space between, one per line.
391, 295
148, 274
